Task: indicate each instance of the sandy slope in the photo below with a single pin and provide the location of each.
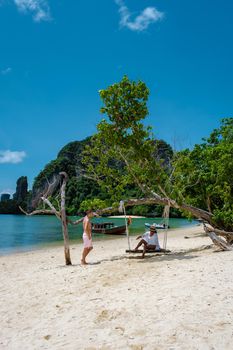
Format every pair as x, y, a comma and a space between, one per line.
179, 301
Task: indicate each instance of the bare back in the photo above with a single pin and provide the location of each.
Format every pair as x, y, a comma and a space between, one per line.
87, 226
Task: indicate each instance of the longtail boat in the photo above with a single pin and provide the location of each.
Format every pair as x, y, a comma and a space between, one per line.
108, 228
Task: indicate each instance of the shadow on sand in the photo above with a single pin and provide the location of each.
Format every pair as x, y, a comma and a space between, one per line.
175, 255
153, 257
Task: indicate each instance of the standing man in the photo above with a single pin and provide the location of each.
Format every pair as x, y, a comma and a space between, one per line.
87, 236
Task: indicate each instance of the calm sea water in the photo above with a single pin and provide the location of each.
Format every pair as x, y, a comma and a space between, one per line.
23, 233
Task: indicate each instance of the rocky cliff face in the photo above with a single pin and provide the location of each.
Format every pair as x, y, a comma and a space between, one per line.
68, 160
20, 198
21, 189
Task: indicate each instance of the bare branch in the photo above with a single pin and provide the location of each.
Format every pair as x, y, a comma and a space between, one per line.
37, 212
142, 188
156, 199
163, 191
51, 186
46, 191
75, 222
219, 242
53, 209
208, 202
217, 231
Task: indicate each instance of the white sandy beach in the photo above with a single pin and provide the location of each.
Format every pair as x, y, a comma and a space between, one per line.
179, 301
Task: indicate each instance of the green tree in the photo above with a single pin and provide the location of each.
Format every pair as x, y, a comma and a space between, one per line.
124, 140
93, 204
124, 152
203, 176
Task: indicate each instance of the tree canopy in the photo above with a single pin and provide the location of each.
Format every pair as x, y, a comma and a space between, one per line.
203, 176
124, 140
197, 181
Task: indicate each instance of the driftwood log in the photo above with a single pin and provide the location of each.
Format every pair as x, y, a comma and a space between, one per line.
218, 241
64, 219
61, 215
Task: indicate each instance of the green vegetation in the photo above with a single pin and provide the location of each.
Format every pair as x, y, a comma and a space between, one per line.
122, 138
203, 176
188, 180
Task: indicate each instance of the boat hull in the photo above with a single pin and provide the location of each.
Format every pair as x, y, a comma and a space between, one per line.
117, 230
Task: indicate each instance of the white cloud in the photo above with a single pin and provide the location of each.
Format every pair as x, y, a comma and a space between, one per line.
13, 157
6, 71
148, 16
39, 9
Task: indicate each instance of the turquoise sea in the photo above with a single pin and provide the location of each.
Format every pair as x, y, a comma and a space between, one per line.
24, 233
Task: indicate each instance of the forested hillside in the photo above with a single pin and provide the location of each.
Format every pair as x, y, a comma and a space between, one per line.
83, 192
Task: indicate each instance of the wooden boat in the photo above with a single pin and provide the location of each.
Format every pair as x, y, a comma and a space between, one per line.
108, 228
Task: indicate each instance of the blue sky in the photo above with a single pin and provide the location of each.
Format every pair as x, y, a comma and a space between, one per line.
57, 54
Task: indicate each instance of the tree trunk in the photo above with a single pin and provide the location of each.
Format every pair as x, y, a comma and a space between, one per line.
60, 215
219, 242
223, 244
156, 199
64, 220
